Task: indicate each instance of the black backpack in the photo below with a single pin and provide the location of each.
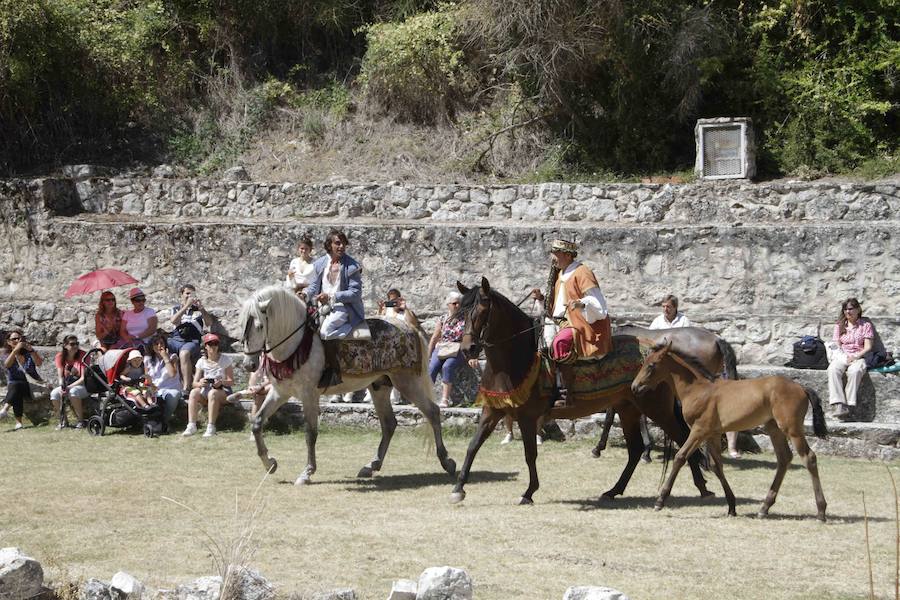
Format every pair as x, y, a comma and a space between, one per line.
809, 353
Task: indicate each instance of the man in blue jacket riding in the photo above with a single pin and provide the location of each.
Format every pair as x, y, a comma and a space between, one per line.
337, 284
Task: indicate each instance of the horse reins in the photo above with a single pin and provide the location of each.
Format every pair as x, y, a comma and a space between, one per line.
482, 341
309, 318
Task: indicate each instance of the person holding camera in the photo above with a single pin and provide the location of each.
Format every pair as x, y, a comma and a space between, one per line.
189, 319
21, 359
70, 372
394, 306
213, 378
108, 324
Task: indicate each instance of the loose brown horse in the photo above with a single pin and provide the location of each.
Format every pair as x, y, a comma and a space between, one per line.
712, 407
507, 336
713, 352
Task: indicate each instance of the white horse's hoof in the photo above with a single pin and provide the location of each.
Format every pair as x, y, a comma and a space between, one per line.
365, 472
273, 465
457, 497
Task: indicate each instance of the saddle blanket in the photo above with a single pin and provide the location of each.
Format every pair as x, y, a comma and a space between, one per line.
394, 345
602, 378
594, 379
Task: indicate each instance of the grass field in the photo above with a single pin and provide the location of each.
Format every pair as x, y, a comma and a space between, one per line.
88, 507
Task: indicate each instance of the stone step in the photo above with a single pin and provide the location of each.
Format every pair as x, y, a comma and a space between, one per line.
878, 397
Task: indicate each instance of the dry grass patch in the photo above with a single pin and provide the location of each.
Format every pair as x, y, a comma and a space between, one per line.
95, 506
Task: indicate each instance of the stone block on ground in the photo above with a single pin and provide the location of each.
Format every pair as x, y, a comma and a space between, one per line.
94, 589
444, 583
127, 586
590, 592
205, 588
341, 594
251, 585
21, 576
403, 589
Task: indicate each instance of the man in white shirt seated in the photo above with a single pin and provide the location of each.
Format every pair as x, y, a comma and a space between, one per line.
670, 317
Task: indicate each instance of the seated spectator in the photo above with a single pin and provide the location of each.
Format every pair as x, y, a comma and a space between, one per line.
670, 317
301, 271
134, 378
444, 348
140, 322
394, 306
162, 369
854, 335
189, 319
108, 324
19, 358
213, 378
70, 374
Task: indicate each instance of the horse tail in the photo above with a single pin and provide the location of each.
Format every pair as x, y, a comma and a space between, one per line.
729, 360
818, 416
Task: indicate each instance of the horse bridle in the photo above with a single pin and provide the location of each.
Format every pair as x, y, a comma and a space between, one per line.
482, 337
310, 317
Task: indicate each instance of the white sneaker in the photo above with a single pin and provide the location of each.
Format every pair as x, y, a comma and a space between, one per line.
190, 430
539, 440
4, 412
210, 430
18, 427
507, 439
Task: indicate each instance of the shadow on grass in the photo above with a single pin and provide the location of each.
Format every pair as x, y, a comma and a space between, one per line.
629, 502
409, 481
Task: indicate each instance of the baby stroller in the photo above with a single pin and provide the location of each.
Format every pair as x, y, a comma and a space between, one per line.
102, 380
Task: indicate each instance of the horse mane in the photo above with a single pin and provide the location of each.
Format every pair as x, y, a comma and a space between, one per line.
690, 362
282, 311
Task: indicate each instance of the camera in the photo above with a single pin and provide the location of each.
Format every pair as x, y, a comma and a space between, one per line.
390, 303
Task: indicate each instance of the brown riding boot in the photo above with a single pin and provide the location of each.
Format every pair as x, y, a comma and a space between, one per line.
331, 374
566, 385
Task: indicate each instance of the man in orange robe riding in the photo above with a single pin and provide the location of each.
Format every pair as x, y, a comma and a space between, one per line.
577, 325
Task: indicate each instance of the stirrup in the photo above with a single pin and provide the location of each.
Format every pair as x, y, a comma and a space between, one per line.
562, 399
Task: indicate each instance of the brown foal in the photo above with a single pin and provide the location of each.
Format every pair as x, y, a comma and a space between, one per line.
712, 407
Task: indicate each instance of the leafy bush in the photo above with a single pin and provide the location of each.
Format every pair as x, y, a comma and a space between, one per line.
826, 80
416, 69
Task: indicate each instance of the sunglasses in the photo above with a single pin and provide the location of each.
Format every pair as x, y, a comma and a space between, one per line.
849, 308
72, 344
212, 343
14, 339
138, 299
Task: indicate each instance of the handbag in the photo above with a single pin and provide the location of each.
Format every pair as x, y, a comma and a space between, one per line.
447, 349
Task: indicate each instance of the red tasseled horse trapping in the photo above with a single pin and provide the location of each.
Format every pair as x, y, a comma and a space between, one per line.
284, 369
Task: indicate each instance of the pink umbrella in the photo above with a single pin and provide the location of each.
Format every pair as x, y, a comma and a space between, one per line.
100, 279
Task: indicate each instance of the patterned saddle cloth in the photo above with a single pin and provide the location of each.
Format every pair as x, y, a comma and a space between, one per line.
594, 379
394, 345
600, 378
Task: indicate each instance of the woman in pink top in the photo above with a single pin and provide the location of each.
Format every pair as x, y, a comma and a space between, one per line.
854, 336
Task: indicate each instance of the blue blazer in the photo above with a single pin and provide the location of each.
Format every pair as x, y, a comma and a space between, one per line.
350, 294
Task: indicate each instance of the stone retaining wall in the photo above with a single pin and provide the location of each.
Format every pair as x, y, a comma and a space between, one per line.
760, 264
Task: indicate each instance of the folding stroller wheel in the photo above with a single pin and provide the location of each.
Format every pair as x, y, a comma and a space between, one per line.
95, 426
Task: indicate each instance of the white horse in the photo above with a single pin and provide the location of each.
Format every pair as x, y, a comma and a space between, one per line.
275, 324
